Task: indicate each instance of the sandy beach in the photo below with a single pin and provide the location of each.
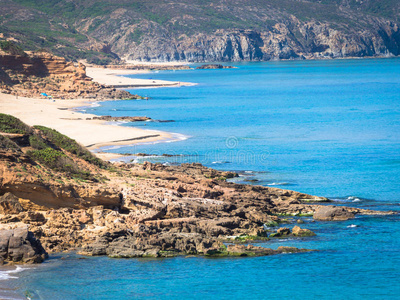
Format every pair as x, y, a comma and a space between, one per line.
114, 78
90, 133
93, 134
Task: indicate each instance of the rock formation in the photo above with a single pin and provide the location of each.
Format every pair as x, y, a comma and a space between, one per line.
33, 74
20, 246
333, 213
287, 40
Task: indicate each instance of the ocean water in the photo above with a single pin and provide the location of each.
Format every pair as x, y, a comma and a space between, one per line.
328, 128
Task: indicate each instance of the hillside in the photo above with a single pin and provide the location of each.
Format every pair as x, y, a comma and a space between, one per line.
223, 30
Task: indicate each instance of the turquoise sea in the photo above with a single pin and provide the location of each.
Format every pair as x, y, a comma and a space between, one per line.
328, 128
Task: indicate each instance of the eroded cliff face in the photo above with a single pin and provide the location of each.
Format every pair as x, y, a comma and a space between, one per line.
33, 73
289, 40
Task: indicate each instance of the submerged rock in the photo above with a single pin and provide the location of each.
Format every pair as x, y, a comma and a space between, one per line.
251, 250
332, 213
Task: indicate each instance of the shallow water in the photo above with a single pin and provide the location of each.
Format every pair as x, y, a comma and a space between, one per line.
329, 128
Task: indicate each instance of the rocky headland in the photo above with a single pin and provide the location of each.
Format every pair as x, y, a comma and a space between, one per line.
44, 75
69, 200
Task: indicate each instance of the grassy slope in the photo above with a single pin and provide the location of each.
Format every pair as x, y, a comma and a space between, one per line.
37, 24
50, 148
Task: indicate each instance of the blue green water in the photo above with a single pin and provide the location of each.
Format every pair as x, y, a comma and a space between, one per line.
329, 128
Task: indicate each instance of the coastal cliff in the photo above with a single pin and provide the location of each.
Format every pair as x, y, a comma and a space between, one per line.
104, 31
71, 200
291, 39
33, 74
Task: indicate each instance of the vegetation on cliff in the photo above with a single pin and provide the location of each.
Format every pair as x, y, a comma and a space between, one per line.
48, 147
70, 145
10, 124
11, 48
7, 144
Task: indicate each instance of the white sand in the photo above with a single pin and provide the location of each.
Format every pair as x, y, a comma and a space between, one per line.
91, 133
114, 78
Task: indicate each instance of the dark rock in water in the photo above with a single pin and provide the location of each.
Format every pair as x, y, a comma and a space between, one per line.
213, 66
296, 231
300, 221
332, 213
281, 232
20, 246
9, 204
141, 244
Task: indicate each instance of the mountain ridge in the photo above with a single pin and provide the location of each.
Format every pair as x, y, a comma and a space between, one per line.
194, 31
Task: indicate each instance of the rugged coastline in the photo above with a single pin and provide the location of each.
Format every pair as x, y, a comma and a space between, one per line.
83, 204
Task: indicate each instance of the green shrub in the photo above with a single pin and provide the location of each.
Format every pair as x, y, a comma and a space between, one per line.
99, 61
11, 48
58, 161
37, 142
10, 124
49, 156
70, 145
6, 143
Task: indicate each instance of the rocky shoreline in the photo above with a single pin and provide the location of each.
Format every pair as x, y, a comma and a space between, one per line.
151, 210
55, 196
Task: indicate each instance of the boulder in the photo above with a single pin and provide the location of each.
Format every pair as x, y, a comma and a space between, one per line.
332, 213
297, 231
9, 204
281, 232
20, 246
